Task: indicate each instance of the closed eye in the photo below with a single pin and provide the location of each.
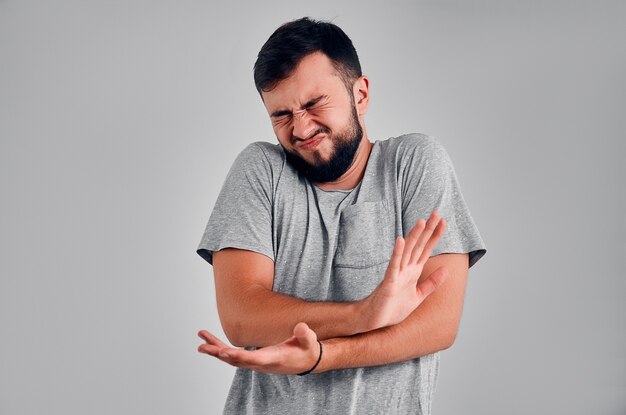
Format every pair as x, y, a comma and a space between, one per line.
284, 115
280, 114
281, 119
313, 102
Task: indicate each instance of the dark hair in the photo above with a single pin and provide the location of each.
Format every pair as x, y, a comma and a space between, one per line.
294, 40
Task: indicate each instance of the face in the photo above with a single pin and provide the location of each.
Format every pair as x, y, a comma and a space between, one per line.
315, 119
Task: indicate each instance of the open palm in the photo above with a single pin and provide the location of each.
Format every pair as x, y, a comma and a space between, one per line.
295, 355
400, 293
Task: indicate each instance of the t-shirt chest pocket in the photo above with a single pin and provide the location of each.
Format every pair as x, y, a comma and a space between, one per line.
365, 235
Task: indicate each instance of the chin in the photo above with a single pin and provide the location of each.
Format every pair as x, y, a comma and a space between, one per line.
321, 157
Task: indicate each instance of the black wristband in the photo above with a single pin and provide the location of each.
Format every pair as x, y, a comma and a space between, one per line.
319, 359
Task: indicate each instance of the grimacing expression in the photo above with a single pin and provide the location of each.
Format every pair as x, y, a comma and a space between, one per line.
315, 119
345, 144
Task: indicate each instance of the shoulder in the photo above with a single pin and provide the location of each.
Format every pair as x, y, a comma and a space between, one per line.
262, 152
414, 149
260, 155
414, 142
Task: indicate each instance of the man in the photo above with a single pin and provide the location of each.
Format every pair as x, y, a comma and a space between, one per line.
324, 264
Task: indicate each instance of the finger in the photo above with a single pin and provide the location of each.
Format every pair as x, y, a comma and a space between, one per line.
209, 349
396, 257
224, 354
432, 223
410, 242
432, 242
435, 280
254, 359
211, 339
305, 336
230, 354
234, 357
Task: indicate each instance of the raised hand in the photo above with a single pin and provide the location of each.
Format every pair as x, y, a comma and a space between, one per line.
400, 293
295, 355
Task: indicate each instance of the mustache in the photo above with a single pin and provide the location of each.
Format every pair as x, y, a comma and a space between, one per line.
321, 130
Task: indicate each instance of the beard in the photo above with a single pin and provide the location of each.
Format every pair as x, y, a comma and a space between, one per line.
345, 143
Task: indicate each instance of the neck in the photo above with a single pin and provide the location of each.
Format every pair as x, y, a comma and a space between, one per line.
353, 176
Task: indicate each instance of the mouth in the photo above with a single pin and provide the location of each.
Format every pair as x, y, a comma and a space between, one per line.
311, 143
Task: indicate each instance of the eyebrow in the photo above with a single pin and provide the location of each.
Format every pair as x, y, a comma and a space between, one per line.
309, 104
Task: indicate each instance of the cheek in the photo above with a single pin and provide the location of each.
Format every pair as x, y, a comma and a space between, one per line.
331, 117
283, 136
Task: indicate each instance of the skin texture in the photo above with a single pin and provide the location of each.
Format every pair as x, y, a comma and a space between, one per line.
254, 315
414, 311
294, 120
345, 144
429, 328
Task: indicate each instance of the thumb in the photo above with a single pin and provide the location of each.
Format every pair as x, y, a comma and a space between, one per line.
434, 280
305, 336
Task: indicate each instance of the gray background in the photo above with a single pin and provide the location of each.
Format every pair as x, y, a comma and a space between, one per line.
119, 121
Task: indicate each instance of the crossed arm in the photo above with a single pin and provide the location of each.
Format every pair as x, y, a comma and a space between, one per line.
400, 320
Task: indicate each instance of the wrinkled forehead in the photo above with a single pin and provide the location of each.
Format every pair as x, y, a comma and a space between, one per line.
314, 75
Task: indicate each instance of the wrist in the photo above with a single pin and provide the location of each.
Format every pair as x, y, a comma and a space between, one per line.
331, 350
350, 321
363, 320
319, 359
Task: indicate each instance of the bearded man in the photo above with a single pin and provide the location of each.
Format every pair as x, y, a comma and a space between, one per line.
336, 291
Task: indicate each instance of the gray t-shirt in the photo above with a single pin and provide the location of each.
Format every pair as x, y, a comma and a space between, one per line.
335, 246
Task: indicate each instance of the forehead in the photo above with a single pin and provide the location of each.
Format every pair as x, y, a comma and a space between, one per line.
314, 75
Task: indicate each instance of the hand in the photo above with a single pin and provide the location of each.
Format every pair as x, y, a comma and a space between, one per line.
295, 355
399, 293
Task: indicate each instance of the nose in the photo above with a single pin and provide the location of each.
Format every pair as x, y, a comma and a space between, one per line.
303, 126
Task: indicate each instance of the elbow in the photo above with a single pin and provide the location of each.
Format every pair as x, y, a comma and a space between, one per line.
448, 341
233, 325
233, 330
241, 333
450, 330
450, 337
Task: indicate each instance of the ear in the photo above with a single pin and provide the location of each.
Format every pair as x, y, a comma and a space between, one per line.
361, 94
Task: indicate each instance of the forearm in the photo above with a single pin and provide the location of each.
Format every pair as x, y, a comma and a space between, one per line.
253, 314
431, 327
263, 317
419, 334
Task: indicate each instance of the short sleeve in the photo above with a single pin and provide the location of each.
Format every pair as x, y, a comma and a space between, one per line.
242, 215
429, 182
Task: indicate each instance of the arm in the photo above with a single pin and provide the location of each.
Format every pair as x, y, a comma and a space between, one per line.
431, 327
253, 315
